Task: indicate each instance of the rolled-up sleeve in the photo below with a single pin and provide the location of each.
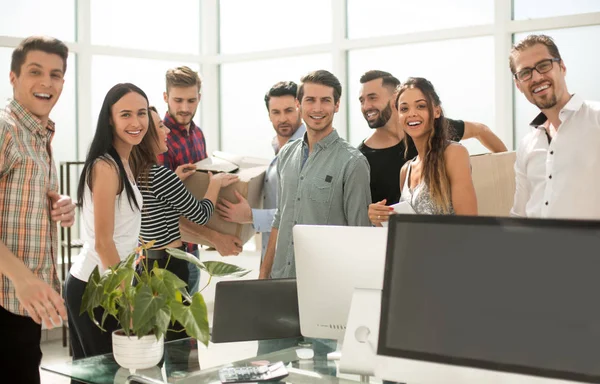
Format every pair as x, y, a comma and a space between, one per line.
357, 193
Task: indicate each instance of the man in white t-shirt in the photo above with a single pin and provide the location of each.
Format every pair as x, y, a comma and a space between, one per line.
558, 162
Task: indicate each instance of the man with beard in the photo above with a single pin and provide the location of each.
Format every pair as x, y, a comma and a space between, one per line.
385, 148
284, 113
558, 161
187, 146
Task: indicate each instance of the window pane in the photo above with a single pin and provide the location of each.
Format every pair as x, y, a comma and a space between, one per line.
273, 24
392, 17
245, 124
64, 144
149, 75
467, 94
158, 25
24, 18
533, 9
582, 70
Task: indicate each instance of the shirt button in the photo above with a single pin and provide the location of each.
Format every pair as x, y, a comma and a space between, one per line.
301, 177
298, 199
295, 222
546, 203
289, 263
552, 152
550, 176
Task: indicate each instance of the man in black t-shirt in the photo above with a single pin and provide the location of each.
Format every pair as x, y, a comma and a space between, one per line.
385, 149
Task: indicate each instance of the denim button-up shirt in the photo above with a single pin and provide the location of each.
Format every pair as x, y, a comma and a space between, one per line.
329, 186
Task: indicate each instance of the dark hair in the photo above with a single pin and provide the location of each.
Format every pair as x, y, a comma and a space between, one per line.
434, 166
102, 144
322, 77
38, 43
387, 79
529, 42
182, 77
282, 88
143, 155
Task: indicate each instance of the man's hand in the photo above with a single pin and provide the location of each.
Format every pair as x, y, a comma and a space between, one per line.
63, 209
185, 170
42, 303
227, 245
239, 212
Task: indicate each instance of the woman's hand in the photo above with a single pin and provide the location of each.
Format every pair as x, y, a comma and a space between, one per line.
379, 212
225, 179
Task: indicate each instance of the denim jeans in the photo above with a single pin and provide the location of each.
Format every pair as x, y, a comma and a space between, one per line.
194, 279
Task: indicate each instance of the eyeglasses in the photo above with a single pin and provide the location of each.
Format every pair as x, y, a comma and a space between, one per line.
541, 67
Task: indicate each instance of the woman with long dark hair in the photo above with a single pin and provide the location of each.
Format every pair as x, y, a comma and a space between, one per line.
165, 200
438, 180
111, 209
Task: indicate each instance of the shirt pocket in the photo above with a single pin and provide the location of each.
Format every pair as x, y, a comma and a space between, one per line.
320, 191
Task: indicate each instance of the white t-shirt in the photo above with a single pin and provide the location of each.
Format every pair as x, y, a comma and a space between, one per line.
128, 221
561, 179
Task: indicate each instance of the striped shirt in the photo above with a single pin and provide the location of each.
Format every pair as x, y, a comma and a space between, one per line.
165, 200
185, 147
27, 173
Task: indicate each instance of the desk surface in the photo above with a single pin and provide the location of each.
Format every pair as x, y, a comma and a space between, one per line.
187, 361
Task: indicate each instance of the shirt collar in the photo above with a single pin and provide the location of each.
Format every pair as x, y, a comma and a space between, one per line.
573, 105
28, 120
298, 134
324, 142
173, 125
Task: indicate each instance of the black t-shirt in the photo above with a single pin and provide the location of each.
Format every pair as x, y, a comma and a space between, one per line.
386, 163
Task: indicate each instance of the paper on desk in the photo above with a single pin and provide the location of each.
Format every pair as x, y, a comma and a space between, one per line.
403, 208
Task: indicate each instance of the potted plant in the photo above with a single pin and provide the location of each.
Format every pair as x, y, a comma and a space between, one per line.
145, 310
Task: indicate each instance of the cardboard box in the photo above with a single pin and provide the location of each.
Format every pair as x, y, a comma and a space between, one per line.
251, 173
494, 181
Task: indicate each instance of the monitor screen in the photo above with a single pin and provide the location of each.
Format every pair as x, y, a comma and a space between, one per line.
515, 295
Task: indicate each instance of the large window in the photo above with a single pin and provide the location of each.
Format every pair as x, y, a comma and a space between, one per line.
64, 144
24, 18
149, 75
461, 71
155, 25
575, 46
392, 17
246, 128
534, 9
261, 25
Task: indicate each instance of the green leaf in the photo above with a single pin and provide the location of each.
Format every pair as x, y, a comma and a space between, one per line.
220, 269
92, 295
145, 309
163, 318
170, 279
194, 317
179, 254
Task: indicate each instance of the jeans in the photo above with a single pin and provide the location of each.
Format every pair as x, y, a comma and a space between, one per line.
194, 278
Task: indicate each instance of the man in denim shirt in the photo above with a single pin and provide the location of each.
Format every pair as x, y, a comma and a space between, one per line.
284, 113
323, 180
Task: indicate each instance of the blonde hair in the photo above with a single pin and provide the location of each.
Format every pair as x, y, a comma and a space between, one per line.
182, 77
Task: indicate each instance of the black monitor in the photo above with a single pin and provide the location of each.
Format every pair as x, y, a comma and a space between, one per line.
488, 296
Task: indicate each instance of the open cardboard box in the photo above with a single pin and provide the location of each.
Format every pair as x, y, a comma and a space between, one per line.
251, 172
494, 180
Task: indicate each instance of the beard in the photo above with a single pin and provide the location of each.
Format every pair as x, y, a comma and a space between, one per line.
546, 103
180, 119
384, 116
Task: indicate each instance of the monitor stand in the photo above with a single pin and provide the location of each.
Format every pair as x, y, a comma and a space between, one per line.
362, 332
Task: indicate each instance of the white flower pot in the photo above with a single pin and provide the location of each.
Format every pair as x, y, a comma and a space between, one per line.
133, 353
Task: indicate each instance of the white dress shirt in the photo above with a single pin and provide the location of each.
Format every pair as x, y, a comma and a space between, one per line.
560, 178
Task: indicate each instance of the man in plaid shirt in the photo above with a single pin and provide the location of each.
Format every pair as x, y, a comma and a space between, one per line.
30, 207
187, 146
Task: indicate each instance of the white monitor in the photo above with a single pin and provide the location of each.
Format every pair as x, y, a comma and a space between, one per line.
330, 262
490, 300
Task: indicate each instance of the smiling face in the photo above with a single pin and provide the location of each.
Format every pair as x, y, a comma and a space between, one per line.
40, 83
161, 132
129, 117
318, 107
376, 103
413, 113
543, 90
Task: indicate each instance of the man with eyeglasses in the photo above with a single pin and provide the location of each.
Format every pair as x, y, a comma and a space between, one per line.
558, 162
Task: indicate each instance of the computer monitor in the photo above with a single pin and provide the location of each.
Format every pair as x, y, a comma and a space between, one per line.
488, 300
330, 262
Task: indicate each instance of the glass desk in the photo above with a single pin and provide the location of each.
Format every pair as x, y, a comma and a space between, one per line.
187, 361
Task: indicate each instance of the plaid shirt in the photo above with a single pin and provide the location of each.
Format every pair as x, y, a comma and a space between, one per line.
27, 173
184, 148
